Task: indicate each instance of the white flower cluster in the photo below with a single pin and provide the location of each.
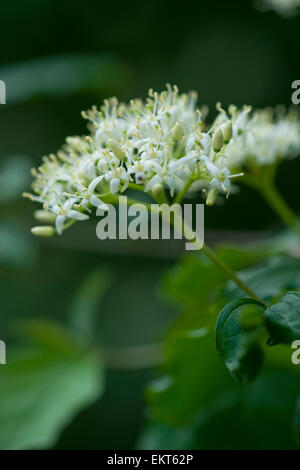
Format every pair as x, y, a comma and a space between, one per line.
272, 135
162, 141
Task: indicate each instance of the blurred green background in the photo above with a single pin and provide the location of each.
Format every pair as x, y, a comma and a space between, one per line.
60, 57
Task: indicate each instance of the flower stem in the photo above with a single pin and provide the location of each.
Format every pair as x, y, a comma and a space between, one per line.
136, 187
264, 183
212, 255
181, 193
278, 204
180, 223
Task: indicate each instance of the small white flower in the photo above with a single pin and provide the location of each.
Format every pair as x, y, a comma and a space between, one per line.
118, 179
66, 211
88, 196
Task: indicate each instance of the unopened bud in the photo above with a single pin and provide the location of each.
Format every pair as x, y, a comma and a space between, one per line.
211, 197
227, 132
43, 231
158, 191
115, 147
176, 132
217, 140
44, 216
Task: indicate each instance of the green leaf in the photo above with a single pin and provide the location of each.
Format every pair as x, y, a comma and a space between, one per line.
193, 374
160, 436
283, 319
258, 416
238, 257
195, 284
270, 279
239, 346
85, 304
63, 75
43, 386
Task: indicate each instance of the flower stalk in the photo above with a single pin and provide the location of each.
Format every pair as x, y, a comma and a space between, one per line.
273, 197
179, 222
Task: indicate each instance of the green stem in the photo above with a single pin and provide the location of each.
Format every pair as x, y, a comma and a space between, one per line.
179, 222
181, 193
211, 254
137, 187
263, 181
278, 204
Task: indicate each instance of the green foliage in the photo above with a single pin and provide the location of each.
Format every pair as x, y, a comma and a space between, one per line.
239, 345
283, 319
256, 416
53, 374
47, 382
193, 373
196, 399
270, 279
196, 405
195, 284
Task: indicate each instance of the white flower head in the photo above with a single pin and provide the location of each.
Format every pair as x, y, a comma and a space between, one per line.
161, 141
270, 138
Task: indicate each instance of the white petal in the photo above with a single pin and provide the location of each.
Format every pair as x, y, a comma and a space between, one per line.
171, 184
226, 185
76, 215
124, 186
155, 180
212, 168
97, 203
93, 185
114, 185
91, 171
69, 203
59, 223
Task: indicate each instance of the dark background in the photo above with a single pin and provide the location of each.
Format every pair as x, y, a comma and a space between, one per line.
227, 51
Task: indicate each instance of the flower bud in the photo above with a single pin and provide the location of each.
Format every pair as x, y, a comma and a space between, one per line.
176, 132
217, 140
44, 216
211, 197
158, 191
227, 132
43, 231
116, 149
